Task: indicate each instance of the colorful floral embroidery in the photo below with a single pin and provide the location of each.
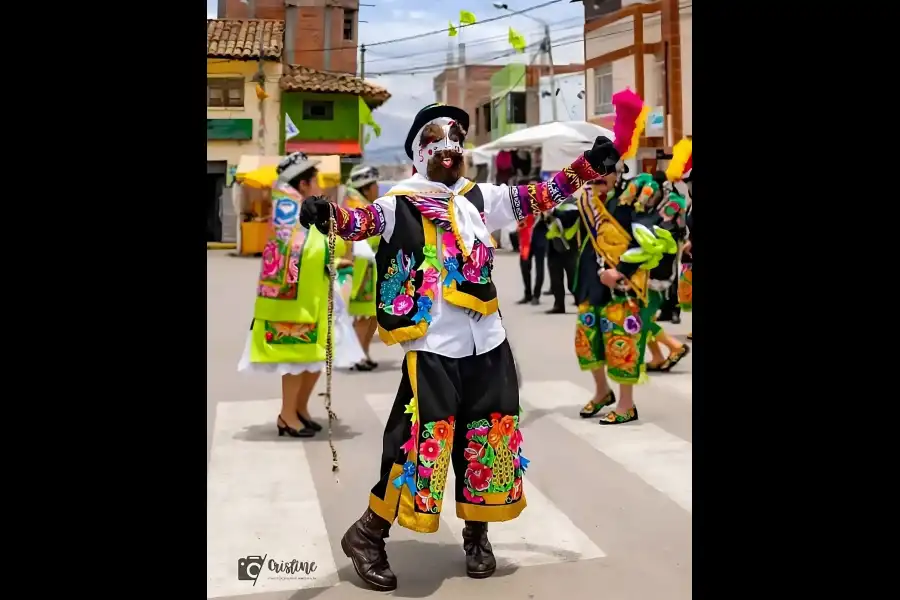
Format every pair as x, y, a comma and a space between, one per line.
686, 287
396, 292
586, 337
496, 465
622, 327
280, 268
291, 333
477, 269
360, 223
435, 448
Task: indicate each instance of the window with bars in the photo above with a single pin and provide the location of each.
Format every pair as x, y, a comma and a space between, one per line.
225, 92
603, 90
349, 25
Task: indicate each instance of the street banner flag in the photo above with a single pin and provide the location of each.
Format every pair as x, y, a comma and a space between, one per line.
365, 117
451, 28
516, 40
466, 18
290, 130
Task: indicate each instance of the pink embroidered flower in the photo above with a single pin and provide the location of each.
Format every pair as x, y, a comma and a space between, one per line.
410, 444
515, 440
267, 291
469, 496
430, 278
271, 260
449, 242
471, 272
479, 476
425, 472
477, 431
474, 451
516, 463
293, 269
402, 304
430, 449
480, 255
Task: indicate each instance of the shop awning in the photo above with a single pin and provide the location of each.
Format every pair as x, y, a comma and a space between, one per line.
343, 147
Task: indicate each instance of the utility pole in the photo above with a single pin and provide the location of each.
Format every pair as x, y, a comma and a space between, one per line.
671, 36
547, 48
461, 76
260, 79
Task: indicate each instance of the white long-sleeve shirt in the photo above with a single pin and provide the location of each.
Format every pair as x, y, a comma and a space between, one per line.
453, 333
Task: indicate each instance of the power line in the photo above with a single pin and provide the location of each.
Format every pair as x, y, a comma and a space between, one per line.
565, 41
578, 23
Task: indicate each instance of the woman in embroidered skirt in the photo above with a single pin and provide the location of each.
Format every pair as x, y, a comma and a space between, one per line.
290, 318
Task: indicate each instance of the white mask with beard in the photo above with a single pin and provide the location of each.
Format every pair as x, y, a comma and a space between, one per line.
435, 136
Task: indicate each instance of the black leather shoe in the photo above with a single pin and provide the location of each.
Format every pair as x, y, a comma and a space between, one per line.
309, 423
556, 310
363, 544
524, 300
285, 429
480, 561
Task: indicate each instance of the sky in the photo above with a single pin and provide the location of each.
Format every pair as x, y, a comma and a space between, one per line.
407, 69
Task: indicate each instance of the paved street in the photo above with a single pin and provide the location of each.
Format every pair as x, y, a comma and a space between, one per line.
609, 510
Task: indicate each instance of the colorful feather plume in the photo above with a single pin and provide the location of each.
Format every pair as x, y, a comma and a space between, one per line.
631, 117
681, 163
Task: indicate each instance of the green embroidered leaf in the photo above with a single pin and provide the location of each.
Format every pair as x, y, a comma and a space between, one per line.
437, 495
421, 483
429, 427
426, 463
489, 456
481, 439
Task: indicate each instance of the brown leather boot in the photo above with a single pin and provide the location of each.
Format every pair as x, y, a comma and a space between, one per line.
364, 545
480, 561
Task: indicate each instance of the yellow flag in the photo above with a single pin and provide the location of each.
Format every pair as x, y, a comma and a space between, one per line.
466, 18
516, 40
452, 29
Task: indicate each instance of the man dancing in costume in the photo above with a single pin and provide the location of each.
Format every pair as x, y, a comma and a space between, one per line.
458, 400
617, 299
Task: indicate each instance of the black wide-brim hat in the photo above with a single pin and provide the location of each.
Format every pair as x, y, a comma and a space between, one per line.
430, 113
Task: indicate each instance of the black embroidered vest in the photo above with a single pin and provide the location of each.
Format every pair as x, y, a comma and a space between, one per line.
408, 276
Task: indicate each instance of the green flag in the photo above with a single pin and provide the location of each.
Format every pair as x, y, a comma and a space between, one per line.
365, 117
466, 18
516, 40
451, 28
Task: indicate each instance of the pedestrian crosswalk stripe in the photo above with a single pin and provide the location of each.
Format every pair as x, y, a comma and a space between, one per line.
660, 459
542, 535
257, 506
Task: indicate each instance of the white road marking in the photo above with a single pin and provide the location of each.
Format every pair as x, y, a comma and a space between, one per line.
542, 535
662, 460
255, 506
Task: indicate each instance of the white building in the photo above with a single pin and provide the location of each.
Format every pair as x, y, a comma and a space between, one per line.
568, 94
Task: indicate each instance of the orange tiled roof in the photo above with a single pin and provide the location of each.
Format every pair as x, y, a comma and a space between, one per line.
238, 39
305, 79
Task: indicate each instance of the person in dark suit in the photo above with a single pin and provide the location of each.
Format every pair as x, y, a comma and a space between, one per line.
563, 242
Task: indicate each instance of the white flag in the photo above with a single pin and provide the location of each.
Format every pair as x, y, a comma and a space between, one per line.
290, 130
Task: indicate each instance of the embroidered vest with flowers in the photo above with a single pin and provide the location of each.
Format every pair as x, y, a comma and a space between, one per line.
409, 269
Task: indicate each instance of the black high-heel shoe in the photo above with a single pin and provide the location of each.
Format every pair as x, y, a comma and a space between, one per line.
285, 429
309, 423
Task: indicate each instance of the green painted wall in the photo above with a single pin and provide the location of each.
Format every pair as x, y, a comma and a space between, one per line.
510, 78
344, 125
